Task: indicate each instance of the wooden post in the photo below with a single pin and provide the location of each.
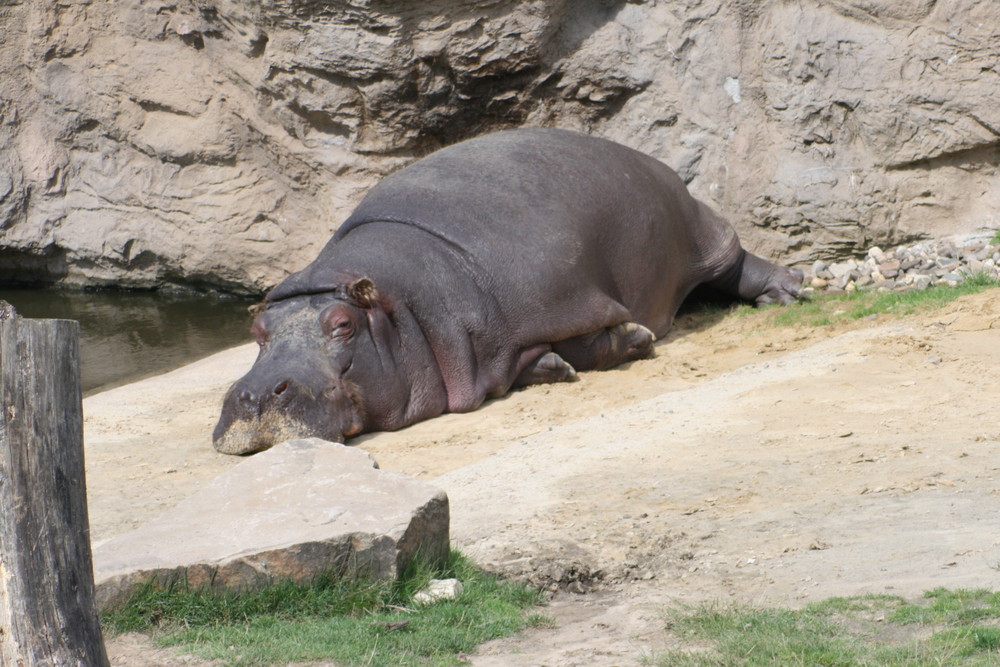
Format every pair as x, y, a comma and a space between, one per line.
47, 610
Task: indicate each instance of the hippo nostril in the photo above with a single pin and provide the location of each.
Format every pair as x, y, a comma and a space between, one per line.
280, 389
247, 404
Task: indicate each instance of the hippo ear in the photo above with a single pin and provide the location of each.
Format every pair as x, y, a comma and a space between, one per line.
362, 291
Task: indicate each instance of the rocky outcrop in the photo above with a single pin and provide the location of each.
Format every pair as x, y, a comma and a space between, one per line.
303, 509
219, 142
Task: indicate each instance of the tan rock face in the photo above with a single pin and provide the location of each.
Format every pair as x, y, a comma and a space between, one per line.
220, 142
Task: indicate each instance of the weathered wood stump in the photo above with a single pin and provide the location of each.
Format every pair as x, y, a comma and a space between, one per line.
47, 611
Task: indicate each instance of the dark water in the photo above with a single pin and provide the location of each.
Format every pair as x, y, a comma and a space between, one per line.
125, 336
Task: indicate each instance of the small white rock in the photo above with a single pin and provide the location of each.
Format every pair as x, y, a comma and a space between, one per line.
876, 254
437, 590
840, 269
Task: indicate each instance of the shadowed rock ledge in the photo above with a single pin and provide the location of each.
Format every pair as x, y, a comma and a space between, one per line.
299, 510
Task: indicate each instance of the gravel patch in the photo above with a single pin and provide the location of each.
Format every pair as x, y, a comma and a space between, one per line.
948, 261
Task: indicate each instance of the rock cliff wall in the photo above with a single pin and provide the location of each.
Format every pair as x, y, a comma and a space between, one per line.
219, 142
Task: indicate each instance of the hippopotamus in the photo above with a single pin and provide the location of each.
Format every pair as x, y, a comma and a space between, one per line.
512, 259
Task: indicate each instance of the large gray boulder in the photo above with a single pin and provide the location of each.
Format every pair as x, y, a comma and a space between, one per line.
303, 508
219, 142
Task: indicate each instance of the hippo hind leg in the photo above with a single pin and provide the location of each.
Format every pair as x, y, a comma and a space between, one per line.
755, 279
608, 347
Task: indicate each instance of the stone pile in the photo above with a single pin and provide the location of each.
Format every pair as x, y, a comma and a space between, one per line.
948, 261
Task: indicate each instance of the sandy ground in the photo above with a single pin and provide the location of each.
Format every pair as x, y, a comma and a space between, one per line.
742, 463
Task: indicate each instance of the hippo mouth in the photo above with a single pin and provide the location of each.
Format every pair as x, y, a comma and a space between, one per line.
254, 420
249, 436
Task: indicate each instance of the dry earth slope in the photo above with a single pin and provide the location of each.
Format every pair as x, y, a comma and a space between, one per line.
767, 465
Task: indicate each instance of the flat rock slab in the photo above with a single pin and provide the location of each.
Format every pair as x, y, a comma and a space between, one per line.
300, 509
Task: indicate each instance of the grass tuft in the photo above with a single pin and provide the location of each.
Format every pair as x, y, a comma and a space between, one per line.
945, 606
824, 309
827, 309
946, 628
350, 622
749, 636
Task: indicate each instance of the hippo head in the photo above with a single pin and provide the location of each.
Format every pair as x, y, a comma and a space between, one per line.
324, 365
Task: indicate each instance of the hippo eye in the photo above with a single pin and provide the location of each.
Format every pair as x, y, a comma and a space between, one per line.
337, 321
342, 329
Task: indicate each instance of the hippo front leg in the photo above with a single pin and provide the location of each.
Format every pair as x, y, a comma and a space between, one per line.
608, 347
546, 369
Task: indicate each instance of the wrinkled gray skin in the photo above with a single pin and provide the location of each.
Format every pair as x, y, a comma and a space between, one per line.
512, 259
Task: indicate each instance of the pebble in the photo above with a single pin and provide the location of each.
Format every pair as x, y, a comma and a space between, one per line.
946, 261
439, 589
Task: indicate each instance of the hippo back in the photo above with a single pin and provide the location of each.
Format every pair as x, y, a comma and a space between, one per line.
569, 233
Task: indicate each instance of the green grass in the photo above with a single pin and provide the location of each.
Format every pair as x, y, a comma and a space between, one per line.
943, 606
827, 309
332, 619
946, 628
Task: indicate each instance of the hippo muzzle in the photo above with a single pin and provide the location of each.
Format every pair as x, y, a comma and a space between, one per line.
298, 387
256, 415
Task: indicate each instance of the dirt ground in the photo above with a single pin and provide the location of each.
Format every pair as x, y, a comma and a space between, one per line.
773, 466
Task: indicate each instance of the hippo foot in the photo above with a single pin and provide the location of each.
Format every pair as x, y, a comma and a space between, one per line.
548, 368
755, 279
782, 288
632, 341
606, 348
